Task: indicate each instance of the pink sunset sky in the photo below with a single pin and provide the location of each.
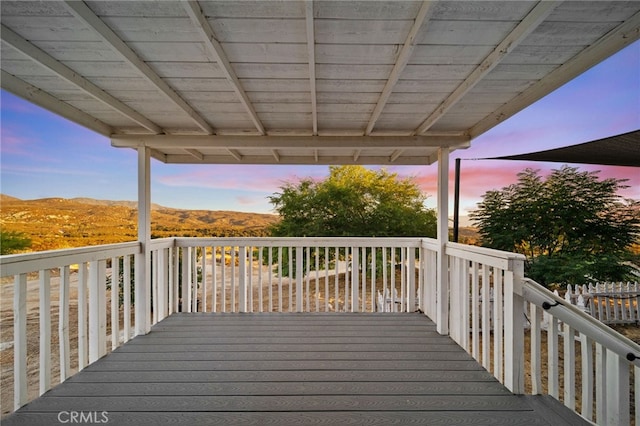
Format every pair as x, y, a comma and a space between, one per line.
43, 155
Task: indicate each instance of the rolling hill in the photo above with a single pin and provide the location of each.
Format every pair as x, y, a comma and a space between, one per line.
54, 223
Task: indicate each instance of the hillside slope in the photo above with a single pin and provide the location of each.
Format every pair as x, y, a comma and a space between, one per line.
54, 223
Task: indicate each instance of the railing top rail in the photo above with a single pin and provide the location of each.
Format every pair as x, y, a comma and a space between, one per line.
581, 321
430, 244
301, 241
486, 256
162, 243
15, 264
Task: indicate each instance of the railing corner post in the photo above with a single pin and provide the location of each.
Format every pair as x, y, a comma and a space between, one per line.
513, 328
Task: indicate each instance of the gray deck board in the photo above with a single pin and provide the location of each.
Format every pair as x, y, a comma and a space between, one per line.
210, 369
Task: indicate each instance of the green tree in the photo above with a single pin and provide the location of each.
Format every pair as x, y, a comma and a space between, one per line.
353, 201
13, 242
572, 226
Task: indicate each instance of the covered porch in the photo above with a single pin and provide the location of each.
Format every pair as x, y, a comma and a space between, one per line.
307, 82
230, 314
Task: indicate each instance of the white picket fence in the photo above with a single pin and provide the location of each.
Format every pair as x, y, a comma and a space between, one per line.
611, 303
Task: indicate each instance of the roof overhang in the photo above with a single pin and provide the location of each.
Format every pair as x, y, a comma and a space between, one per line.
388, 82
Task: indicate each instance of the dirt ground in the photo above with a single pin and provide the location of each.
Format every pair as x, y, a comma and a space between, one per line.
6, 325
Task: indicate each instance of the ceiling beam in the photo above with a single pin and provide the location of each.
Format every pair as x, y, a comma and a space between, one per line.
46, 60
287, 142
311, 54
530, 22
347, 159
613, 41
213, 46
82, 12
43, 99
403, 58
276, 155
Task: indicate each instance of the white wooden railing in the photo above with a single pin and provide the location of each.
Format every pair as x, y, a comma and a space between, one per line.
589, 367
282, 274
84, 280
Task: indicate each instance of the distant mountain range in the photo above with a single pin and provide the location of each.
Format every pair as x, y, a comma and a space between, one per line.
53, 223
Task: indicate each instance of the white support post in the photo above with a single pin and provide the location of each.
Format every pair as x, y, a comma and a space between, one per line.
242, 253
513, 328
442, 284
143, 259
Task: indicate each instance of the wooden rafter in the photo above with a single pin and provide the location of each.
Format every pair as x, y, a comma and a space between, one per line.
534, 18
311, 52
195, 153
82, 12
403, 58
39, 97
235, 154
397, 153
615, 40
46, 60
208, 36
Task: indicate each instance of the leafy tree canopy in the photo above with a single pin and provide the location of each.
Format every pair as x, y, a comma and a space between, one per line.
13, 242
572, 226
353, 201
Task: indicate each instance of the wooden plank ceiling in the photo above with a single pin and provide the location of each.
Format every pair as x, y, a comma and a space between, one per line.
301, 82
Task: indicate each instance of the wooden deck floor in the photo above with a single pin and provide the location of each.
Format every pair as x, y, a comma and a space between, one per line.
210, 369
